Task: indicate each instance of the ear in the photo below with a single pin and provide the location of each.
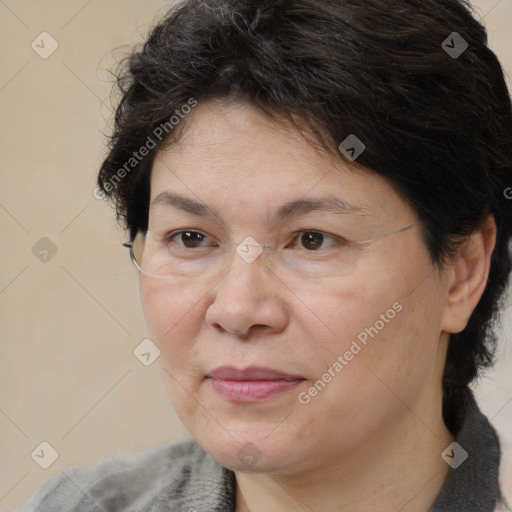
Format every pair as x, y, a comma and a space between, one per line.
467, 276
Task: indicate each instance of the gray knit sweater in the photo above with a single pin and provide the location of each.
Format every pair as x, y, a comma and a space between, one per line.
181, 477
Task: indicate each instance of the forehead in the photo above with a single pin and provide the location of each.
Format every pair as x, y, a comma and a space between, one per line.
232, 155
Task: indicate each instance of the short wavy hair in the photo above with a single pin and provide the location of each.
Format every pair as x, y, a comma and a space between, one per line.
436, 124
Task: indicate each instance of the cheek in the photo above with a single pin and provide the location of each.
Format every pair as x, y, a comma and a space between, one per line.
386, 361
386, 327
173, 317
172, 313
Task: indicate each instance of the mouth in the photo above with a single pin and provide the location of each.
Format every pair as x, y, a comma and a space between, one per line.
253, 384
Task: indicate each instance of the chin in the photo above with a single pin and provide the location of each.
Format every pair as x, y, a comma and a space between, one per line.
247, 458
251, 452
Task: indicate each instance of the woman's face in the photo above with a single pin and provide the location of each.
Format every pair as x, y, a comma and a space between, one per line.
354, 328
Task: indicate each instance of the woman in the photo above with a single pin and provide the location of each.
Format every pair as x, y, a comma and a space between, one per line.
316, 197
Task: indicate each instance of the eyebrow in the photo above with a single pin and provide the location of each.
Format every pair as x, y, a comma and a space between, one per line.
295, 208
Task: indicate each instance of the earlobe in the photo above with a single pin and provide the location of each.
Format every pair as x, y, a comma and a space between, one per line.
468, 276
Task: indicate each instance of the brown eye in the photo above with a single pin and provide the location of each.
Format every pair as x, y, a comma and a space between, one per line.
312, 240
187, 239
191, 238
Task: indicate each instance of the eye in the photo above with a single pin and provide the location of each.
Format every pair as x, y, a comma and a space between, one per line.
189, 239
314, 240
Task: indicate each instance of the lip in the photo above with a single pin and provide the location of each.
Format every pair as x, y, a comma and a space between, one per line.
252, 384
251, 373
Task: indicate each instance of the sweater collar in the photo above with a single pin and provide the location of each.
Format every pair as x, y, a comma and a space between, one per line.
472, 486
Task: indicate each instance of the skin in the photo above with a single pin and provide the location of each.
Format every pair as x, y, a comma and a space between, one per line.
372, 438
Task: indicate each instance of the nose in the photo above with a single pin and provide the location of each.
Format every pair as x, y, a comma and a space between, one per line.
247, 299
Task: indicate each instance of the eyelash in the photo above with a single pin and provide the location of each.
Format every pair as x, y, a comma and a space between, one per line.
295, 237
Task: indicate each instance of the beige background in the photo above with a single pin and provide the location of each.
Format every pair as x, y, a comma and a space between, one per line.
69, 326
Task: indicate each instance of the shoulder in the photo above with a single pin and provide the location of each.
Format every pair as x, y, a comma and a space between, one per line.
127, 481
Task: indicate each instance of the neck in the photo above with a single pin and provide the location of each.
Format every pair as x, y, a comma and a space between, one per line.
397, 469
